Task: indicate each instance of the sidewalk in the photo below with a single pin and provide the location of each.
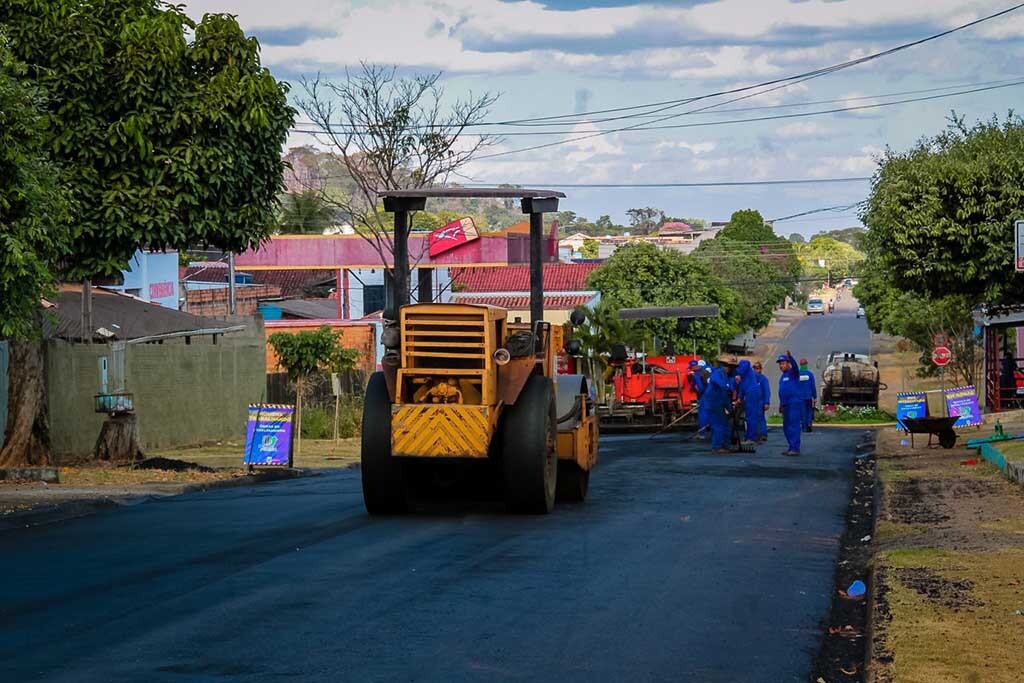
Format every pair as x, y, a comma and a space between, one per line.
782, 323
947, 583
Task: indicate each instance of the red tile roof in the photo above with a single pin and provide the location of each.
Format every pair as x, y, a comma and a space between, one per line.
294, 283
559, 302
558, 277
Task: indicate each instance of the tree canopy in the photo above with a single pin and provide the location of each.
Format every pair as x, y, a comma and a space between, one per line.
640, 274
168, 130
33, 206
759, 285
839, 258
940, 216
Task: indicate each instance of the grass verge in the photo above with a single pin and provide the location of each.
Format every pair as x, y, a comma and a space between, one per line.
949, 548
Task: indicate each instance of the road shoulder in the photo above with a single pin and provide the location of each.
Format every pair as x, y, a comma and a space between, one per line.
947, 592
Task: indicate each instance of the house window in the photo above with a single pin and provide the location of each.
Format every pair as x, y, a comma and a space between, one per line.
373, 299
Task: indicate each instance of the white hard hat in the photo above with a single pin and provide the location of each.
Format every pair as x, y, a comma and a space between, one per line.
702, 363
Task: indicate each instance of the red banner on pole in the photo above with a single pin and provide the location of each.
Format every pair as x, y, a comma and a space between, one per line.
453, 235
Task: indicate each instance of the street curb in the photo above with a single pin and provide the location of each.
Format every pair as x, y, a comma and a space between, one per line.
1014, 471
73, 509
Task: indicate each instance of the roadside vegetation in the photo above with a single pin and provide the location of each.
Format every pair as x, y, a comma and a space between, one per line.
930, 264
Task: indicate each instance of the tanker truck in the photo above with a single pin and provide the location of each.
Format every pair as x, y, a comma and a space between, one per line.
850, 379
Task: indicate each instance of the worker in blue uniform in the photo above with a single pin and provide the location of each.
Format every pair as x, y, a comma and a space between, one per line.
809, 384
750, 394
766, 401
719, 397
701, 378
791, 402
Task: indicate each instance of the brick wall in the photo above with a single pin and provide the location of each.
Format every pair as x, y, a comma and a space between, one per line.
358, 336
214, 302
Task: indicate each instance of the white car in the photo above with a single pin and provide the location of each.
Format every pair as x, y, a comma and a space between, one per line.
860, 311
815, 306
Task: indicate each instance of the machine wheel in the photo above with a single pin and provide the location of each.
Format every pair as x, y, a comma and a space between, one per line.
573, 482
947, 439
528, 457
385, 490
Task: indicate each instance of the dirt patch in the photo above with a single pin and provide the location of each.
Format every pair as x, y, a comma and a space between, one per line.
912, 502
843, 649
946, 583
169, 465
949, 593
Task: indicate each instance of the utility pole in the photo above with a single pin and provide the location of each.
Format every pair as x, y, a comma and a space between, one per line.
231, 283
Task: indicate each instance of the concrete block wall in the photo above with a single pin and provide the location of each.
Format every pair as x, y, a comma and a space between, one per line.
185, 394
214, 302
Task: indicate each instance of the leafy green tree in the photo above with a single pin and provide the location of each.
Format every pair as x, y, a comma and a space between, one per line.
748, 226
305, 213
758, 284
839, 258
302, 354
940, 234
34, 236
852, 236
590, 249
169, 130
797, 238
640, 274
940, 216
646, 220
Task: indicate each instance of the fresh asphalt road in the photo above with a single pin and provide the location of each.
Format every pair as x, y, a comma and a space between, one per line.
682, 566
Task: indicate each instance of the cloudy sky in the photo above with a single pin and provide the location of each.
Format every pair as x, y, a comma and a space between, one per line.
561, 57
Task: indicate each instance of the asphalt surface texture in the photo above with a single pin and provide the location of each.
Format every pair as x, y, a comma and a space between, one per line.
681, 566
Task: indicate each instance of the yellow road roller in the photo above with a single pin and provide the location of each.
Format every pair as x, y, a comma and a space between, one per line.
461, 383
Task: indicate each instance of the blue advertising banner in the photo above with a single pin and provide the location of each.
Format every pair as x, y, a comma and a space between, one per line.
962, 403
910, 405
268, 435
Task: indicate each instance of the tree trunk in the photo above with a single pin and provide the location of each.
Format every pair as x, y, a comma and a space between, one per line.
27, 437
119, 440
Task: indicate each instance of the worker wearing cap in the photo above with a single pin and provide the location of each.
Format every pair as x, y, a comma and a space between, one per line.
791, 402
702, 377
766, 401
808, 382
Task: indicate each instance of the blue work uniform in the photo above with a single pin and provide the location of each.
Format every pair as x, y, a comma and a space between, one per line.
791, 405
718, 396
808, 383
703, 404
750, 394
766, 398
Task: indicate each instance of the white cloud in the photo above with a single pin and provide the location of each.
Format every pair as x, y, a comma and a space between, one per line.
695, 148
802, 129
861, 164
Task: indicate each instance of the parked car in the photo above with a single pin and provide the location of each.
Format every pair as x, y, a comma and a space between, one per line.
815, 306
860, 311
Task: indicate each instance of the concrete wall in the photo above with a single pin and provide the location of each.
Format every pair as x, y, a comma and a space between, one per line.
185, 394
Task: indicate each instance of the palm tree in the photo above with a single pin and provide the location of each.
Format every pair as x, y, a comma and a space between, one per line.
305, 213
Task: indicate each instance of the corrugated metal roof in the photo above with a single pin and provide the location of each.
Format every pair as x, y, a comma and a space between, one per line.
126, 316
556, 302
558, 277
314, 309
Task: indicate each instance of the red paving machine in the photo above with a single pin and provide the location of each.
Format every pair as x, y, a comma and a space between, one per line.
653, 393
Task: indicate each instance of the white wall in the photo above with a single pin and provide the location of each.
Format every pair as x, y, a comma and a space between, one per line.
152, 276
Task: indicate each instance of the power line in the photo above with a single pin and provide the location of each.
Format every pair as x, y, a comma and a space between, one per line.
728, 183
778, 117
668, 104
702, 124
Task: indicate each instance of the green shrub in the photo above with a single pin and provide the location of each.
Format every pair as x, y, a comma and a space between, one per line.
318, 421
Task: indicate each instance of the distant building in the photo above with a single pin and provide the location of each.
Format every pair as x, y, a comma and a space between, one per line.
565, 289
151, 276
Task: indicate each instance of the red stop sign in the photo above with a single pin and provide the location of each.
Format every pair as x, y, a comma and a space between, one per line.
941, 356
